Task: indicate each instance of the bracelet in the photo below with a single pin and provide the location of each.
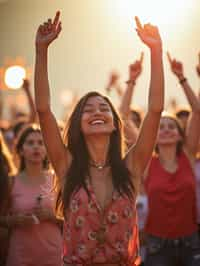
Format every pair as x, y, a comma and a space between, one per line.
130, 82
183, 80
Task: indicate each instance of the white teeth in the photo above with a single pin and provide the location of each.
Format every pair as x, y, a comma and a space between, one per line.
96, 122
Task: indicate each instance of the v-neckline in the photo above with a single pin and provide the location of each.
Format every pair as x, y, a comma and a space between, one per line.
95, 199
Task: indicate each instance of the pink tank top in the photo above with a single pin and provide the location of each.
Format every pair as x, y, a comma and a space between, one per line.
93, 235
37, 244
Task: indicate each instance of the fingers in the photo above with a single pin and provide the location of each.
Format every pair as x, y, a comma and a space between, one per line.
141, 57
138, 23
169, 57
59, 28
56, 19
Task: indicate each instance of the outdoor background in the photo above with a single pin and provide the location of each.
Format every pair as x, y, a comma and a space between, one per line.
97, 37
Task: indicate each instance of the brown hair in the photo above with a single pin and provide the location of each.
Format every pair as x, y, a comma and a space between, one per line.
7, 170
22, 136
79, 169
179, 146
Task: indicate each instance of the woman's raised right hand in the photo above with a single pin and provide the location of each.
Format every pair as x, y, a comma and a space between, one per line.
48, 32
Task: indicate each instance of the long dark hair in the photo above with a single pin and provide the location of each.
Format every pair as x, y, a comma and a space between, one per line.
180, 143
79, 168
22, 136
7, 171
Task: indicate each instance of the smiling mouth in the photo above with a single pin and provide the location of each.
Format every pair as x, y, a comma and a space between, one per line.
97, 122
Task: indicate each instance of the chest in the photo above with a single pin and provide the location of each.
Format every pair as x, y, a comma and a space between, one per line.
102, 191
26, 198
162, 181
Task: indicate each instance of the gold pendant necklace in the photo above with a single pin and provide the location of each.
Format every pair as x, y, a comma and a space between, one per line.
98, 166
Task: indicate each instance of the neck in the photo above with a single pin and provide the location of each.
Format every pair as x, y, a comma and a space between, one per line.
34, 172
167, 153
98, 150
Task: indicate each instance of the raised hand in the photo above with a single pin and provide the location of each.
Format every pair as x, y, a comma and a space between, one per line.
113, 79
48, 32
149, 34
26, 85
198, 67
135, 69
176, 67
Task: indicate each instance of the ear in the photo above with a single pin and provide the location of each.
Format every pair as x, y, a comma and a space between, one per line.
114, 128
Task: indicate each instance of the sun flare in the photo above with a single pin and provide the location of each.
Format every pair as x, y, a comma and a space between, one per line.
162, 13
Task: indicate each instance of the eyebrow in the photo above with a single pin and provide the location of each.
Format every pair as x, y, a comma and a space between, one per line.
91, 105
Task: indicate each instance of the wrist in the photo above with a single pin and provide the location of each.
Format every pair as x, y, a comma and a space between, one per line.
41, 48
182, 80
130, 82
157, 48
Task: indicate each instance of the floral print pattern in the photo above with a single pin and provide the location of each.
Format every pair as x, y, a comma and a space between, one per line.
95, 236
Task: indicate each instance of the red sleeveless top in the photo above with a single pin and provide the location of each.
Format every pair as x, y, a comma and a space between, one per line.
171, 198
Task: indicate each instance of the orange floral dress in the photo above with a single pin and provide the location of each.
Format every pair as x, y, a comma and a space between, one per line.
93, 235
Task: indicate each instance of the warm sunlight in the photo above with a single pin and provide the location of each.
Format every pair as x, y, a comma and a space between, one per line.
163, 13
14, 76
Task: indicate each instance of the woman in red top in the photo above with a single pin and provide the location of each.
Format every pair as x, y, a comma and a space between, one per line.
171, 223
97, 180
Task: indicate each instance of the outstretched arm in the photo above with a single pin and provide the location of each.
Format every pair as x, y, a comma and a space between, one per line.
193, 124
135, 70
131, 130
33, 113
58, 154
138, 156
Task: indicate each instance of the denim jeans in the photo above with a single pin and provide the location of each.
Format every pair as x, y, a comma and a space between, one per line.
183, 251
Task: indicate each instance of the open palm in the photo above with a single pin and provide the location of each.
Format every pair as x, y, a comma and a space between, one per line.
48, 31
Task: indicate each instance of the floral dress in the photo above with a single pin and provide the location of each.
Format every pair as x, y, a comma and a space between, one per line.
93, 235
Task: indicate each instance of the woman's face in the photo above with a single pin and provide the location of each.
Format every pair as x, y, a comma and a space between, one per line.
33, 149
168, 132
97, 117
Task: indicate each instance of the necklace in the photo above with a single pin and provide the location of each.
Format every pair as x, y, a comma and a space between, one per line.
98, 165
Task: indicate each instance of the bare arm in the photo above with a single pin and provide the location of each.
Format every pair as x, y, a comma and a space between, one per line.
33, 113
131, 130
138, 156
135, 70
193, 125
57, 152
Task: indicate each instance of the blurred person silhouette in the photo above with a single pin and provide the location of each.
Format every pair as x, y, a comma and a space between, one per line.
34, 229
171, 225
7, 170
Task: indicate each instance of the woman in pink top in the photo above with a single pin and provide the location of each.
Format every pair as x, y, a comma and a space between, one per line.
35, 234
98, 182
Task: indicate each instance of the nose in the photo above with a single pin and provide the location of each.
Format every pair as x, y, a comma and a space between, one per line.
36, 146
97, 111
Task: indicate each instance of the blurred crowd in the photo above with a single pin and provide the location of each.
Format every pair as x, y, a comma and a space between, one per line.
168, 202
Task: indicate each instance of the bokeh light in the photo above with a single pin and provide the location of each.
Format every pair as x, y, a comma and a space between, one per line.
14, 76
